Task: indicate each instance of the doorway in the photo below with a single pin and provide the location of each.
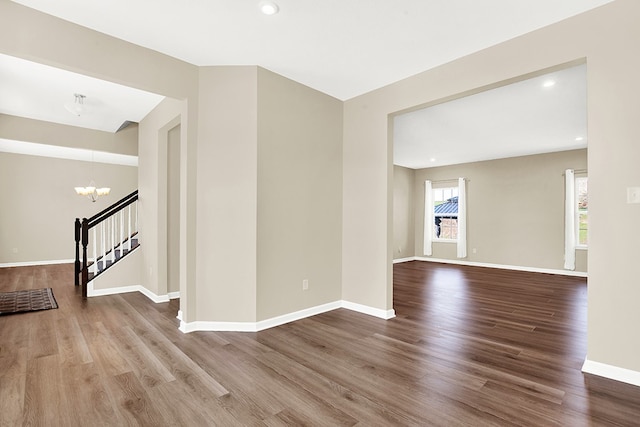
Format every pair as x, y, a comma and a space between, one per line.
173, 211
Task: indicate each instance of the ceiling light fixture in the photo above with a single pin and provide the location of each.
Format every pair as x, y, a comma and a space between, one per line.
77, 107
269, 8
92, 191
579, 138
548, 83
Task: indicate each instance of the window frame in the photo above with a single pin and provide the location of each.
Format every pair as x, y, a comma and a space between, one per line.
453, 191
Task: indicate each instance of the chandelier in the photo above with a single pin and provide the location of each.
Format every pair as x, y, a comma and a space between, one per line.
92, 192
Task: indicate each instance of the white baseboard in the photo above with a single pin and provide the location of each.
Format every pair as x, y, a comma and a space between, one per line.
110, 291
35, 263
153, 297
612, 372
371, 311
399, 260
500, 266
207, 326
296, 315
281, 320
125, 289
174, 295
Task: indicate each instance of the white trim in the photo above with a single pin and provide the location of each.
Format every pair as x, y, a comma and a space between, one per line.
174, 295
399, 260
217, 326
187, 327
179, 315
501, 266
439, 240
461, 247
33, 263
296, 315
371, 311
427, 244
110, 291
569, 220
68, 153
153, 297
612, 372
125, 289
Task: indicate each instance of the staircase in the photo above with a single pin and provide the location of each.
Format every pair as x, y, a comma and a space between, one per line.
109, 236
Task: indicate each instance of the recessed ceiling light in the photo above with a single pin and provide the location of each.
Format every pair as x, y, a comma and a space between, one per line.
548, 83
269, 8
432, 159
579, 138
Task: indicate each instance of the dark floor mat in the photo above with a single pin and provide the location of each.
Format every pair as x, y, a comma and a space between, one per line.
27, 300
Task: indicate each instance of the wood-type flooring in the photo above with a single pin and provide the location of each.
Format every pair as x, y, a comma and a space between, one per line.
470, 346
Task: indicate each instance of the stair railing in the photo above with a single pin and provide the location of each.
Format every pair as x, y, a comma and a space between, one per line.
112, 233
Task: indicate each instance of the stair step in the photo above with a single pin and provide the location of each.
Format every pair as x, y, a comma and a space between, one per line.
118, 254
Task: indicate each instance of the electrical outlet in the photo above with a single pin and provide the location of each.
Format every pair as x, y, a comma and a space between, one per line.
633, 194
14, 250
474, 250
305, 285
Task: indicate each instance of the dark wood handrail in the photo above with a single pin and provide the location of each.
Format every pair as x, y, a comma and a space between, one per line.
81, 228
107, 212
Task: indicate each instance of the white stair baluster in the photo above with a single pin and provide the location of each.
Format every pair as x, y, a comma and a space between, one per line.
136, 221
121, 231
107, 234
129, 228
112, 244
103, 244
94, 243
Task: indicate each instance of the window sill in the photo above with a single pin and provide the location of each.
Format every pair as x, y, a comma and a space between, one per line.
582, 248
445, 241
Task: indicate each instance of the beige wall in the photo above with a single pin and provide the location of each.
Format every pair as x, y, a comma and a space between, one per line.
173, 209
614, 108
29, 34
608, 38
22, 129
227, 195
39, 204
22, 223
127, 274
403, 212
152, 180
299, 196
515, 209
35, 36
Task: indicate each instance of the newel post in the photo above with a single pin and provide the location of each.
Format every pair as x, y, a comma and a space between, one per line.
77, 263
85, 268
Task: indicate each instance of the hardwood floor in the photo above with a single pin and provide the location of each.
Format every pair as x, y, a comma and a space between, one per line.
469, 346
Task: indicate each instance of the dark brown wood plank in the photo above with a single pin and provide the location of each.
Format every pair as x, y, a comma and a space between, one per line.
469, 346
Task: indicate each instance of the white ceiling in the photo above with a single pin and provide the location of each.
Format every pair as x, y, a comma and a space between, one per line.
520, 119
40, 92
341, 47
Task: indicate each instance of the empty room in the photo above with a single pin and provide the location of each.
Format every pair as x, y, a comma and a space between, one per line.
278, 213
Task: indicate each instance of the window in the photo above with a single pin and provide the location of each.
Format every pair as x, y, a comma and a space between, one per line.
445, 213
582, 211
445, 216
